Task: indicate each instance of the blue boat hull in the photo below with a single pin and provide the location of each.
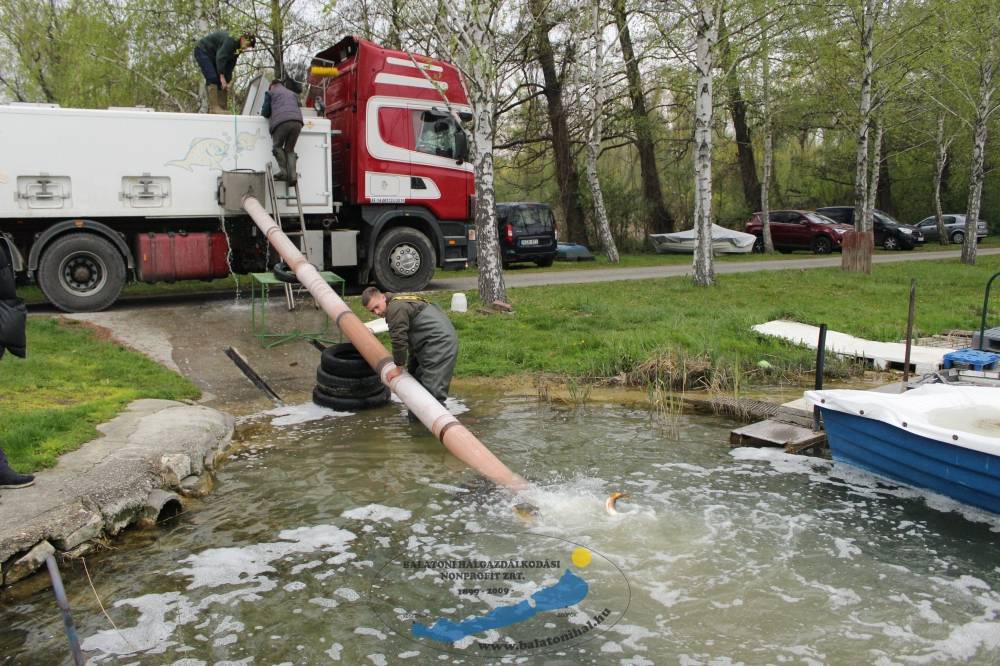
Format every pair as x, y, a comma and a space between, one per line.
968, 476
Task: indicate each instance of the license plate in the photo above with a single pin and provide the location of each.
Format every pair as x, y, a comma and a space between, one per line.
529, 241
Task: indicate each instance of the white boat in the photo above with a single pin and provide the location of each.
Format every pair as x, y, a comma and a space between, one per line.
724, 241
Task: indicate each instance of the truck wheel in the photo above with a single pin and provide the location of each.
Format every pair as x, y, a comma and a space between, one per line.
758, 245
343, 360
822, 245
81, 273
404, 260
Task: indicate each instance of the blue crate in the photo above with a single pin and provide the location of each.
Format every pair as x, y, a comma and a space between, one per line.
973, 358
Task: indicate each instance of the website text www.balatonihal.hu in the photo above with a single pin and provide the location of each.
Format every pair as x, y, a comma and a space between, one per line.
536, 643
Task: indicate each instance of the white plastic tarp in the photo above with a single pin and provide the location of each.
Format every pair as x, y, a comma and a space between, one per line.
966, 416
719, 234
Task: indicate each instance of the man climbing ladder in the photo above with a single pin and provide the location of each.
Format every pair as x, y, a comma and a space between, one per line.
281, 108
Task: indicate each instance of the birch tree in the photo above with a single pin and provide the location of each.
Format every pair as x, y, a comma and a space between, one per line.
876, 166
768, 138
942, 144
706, 22
594, 135
870, 12
973, 27
482, 40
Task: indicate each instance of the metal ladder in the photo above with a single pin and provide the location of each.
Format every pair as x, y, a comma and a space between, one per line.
300, 234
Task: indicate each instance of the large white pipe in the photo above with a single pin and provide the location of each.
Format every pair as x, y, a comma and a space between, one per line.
456, 437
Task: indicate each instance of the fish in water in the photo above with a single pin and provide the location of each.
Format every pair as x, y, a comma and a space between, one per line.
526, 511
609, 504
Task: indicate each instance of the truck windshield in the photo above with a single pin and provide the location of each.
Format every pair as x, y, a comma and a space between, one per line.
435, 134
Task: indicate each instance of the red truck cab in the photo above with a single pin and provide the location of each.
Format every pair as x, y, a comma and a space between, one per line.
399, 158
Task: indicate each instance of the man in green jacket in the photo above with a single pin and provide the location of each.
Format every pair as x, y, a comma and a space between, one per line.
423, 338
216, 55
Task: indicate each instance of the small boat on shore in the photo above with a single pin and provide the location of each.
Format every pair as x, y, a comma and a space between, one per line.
945, 438
724, 241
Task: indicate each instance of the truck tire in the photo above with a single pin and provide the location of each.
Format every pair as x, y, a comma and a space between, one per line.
350, 404
349, 387
404, 260
343, 360
340, 392
81, 272
284, 274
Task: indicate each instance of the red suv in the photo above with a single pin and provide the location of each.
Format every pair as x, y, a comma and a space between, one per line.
798, 230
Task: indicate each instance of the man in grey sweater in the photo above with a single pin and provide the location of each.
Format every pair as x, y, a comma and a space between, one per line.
281, 108
423, 338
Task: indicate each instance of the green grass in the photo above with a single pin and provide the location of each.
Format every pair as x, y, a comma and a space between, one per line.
603, 330
51, 402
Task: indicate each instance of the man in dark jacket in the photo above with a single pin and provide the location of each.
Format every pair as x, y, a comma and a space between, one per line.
13, 319
423, 338
216, 55
284, 120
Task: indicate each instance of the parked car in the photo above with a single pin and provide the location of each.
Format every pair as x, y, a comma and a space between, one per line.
527, 232
797, 230
954, 228
890, 233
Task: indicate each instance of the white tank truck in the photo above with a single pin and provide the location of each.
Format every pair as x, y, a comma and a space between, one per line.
89, 196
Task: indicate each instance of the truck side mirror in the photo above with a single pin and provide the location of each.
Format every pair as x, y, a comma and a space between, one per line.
461, 147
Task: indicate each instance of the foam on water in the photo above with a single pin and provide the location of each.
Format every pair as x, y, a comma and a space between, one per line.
377, 513
302, 413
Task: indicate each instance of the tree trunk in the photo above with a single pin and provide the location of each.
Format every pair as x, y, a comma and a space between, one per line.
862, 209
204, 27
744, 145
765, 202
566, 175
738, 112
394, 39
883, 193
707, 30
278, 39
765, 77
658, 217
978, 152
876, 166
939, 165
491, 282
594, 141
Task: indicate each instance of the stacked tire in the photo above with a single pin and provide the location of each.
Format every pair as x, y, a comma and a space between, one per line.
346, 383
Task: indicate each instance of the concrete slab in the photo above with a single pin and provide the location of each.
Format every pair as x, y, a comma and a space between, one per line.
108, 483
883, 354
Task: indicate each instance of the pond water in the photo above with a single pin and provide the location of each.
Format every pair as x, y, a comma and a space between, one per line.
310, 549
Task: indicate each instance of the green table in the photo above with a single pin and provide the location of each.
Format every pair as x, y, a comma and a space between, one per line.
260, 291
